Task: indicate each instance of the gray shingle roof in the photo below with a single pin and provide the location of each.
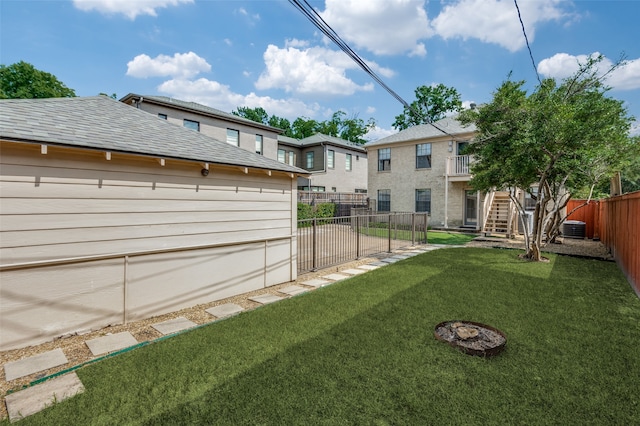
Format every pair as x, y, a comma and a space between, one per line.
198, 108
102, 123
319, 138
425, 131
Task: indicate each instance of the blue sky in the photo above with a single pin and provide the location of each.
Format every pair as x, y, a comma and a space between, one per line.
265, 53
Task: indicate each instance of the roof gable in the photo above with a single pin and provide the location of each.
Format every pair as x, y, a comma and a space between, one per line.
102, 123
450, 125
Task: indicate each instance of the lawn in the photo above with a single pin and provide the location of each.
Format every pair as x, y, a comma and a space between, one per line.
362, 351
433, 237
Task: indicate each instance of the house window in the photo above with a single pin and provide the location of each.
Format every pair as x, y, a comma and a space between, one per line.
292, 158
423, 156
361, 191
384, 200
462, 148
310, 160
233, 137
348, 163
281, 155
333, 189
331, 156
384, 159
163, 116
259, 144
423, 200
190, 124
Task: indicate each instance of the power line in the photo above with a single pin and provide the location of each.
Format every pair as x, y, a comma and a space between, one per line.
526, 39
326, 29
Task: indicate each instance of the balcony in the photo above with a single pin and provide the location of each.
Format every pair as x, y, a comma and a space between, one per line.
458, 168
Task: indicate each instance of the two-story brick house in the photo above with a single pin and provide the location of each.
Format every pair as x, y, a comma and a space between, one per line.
424, 169
335, 164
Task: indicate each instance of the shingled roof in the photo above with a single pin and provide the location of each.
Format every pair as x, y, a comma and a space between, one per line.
425, 131
102, 123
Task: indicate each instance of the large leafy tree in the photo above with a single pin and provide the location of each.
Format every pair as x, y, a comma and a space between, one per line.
561, 138
23, 81
339, 125
432, 104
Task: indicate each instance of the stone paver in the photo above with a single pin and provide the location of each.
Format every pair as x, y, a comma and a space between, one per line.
379, 263
292, 290
174, 325
225, 310
36, 398
335, 277
369, 267
110, 343
390, 260
266, 298
34, 364
353, 271
316, 282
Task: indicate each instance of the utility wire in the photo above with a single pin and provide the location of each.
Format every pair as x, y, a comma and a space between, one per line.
526, 39
326, 29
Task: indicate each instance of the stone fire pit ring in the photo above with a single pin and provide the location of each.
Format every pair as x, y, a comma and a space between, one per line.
472, 338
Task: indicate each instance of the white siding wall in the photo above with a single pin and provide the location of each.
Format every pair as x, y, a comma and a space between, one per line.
71, 203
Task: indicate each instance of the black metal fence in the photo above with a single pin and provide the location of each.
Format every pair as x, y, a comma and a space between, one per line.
330, 241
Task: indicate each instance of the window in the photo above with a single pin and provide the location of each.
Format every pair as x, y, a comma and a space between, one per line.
423, 156
462, 148
259, 144
333, 189
292, 158
233, 137
423, 200
347, 166
384, 159
361, 191
281, 155
331, 156
163, 116
190, 124
384, 200
310, 160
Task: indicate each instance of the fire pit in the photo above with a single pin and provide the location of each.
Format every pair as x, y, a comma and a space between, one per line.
472, 338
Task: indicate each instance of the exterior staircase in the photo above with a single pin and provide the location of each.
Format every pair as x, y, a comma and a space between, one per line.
499, 218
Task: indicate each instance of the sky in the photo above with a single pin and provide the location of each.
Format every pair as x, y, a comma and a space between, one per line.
266, 53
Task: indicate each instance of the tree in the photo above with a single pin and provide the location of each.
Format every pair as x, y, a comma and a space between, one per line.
561, 138
432, 104
352, 129
23, 81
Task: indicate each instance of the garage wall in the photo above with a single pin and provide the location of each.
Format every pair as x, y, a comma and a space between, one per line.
68, 204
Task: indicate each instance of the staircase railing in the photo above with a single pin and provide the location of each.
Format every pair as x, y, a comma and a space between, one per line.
486, 208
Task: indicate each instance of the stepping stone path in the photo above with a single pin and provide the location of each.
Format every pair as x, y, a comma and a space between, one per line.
36, 398
225, 310
292, 290
34, 364
174, 325
335, 277
369, 267
266, 298
353, 271
316, 282
111, 343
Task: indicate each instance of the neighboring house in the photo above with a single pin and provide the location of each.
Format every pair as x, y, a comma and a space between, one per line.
424, 169
247, 134
334, 164
108, 215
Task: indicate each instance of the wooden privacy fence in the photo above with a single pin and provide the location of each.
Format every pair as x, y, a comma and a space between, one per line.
329, 241
616, 222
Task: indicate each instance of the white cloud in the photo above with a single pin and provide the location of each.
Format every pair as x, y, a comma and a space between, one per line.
130, 8
220, 96
496, 21
313, 71
180, 65
384, 27
563, 65
378, 133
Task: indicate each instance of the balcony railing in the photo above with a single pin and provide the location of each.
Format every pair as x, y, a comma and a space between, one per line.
458, 165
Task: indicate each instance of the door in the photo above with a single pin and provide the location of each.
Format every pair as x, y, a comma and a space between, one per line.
470, 208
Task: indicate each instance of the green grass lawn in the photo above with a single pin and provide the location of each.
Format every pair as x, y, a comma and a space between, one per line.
362, 351
433, 237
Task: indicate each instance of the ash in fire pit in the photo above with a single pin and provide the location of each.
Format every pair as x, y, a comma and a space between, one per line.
471, 338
